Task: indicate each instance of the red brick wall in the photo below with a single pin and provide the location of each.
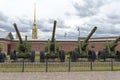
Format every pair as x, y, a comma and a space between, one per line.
67, 46
39, 46
97, 45
5, 45
64, 45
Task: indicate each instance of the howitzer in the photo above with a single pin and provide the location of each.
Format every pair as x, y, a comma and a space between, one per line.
85, 43
81, 50
18, 33
114, 43
53, 33
52, 45
23, 48
109, 50
52, 48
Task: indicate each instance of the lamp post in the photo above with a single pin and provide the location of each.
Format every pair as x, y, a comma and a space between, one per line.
78, 28
65, 35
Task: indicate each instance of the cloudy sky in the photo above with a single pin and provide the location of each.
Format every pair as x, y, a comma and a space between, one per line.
70, 14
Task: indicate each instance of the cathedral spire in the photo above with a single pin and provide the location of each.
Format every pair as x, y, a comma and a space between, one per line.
34, 28
35, 13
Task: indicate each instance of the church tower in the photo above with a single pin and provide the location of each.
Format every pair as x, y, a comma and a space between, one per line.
34, 28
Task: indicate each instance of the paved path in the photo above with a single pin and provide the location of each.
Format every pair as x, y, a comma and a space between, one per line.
102, 75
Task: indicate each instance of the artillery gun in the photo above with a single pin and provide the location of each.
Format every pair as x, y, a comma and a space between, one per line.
23, 48
109, 50
52, 49
81, 49
2, 55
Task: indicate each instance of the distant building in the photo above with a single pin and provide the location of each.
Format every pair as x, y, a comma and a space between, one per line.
5, 39
6, 35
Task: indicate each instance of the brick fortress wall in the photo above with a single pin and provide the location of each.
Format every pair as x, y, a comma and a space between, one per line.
39, 45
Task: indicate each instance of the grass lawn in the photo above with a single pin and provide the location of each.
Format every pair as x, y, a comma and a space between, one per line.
58, 66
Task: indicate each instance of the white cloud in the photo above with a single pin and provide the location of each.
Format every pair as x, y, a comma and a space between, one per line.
86, 14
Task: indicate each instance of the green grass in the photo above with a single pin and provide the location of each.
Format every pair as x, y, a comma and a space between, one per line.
37, 57
59, 66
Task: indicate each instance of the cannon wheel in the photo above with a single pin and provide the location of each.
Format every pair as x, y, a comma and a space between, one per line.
2, 57
102, 55
42, 56
92, 55
73, 56
118, 55
32, 56
13, 55
62, 55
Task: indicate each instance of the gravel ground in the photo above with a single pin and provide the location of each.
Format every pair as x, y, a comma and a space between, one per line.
97, 75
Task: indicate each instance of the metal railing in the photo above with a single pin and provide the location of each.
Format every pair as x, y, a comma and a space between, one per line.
56, 66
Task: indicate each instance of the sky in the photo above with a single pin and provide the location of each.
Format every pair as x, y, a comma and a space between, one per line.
69, 14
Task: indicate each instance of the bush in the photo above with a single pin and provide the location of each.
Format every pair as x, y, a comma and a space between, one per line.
23, 55
0, 47
25, 47
23, 50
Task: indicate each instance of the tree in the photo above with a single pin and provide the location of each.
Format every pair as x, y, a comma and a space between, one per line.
0, 47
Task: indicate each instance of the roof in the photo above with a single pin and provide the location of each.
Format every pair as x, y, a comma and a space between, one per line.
81, 39
6, 35
109, 38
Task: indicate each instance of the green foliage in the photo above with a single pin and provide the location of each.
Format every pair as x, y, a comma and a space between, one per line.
25, 47
23, 55
23, 50
0, 47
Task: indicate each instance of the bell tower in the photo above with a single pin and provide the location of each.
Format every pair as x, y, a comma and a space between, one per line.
34, 28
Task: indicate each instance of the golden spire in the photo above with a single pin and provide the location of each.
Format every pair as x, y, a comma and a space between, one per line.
34, 13
34, 28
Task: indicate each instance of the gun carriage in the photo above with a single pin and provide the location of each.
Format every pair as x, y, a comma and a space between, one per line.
81, 49
52, 49
23, 48
109, 50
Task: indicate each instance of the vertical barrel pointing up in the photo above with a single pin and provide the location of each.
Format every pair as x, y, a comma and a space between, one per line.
53, 33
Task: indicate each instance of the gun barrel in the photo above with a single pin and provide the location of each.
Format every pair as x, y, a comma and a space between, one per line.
114, 44
85, 43
53, 33
18, 33
90, 34
117, 40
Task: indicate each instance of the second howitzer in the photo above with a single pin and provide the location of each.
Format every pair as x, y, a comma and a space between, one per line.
109, 50
23, 48
81, 49
52, 49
